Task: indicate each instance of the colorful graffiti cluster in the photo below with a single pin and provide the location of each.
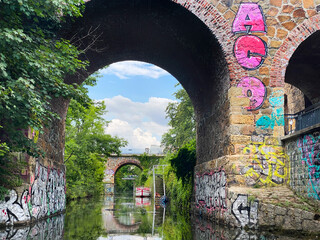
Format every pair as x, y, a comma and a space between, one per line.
108, 176
211, 190
250, 51
268, 164
45, 196
309, 146
245, 211
276, 101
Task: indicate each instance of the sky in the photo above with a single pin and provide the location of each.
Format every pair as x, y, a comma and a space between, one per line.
136, 95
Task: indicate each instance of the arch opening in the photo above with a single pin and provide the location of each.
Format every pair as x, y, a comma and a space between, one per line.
303, 70
302, 84
165, 34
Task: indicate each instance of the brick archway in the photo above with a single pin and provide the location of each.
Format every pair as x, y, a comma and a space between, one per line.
114, 163
219, 27
159, 32
288, 47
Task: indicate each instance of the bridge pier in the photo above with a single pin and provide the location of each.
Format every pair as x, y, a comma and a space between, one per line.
109, 188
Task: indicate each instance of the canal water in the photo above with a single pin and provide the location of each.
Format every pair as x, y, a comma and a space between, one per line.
124, 217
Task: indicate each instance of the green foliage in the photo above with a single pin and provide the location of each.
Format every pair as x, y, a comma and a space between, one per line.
181, 120
11, 166
33, 65
143, 177
87, 146
176, 227
147, 161
179, 192
184, 161
180, 143
122, 185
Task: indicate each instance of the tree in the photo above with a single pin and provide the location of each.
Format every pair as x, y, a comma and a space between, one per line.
182, 122
87, 146
183, 162
33, 65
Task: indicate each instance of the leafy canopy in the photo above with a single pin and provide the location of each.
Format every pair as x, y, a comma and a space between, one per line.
87, 146
181, 120
33, 65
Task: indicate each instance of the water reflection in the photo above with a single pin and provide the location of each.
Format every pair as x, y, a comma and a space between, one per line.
127, 218
50, 229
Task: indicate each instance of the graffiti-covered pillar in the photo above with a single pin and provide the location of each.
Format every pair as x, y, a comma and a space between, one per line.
255, 156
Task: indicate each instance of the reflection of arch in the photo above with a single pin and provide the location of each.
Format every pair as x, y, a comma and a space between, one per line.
188, 38
112, 225
285, 56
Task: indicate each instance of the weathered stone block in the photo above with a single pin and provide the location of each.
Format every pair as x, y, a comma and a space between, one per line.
240, 119
240, 139
307, 215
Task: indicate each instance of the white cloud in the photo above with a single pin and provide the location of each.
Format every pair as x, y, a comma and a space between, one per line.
126, 69
141, 124
136, 137
137, 112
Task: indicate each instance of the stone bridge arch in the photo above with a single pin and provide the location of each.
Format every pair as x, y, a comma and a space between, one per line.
188, 38
114, 163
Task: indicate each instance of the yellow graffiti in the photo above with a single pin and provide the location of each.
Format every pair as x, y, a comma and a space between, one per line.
268, 165
35, 135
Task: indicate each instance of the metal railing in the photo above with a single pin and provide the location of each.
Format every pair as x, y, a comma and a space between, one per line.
303, 119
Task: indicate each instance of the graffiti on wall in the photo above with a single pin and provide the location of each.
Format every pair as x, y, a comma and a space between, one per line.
268, 164
211, 190
108, 176
249, 18
245, 211
250, 51
45, 196
206, 230
255, 90
309, 146
276, 101
50, 229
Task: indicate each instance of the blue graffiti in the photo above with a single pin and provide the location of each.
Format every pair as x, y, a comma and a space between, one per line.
277, 99
309, 147
276, 118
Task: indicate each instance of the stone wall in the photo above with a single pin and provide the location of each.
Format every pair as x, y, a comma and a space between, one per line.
303, 151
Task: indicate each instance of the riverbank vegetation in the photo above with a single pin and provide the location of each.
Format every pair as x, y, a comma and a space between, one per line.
87, 147
180, 146
33, 65
180, 143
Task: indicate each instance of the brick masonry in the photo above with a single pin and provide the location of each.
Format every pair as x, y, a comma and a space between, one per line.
114, 163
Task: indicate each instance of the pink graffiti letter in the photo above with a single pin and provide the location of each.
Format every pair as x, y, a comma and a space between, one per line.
249, 19
255, 90
250, 51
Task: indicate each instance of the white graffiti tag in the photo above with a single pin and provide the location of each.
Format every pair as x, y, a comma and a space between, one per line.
210, 190
246, 213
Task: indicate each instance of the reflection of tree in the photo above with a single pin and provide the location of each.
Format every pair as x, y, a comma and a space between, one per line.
83, 219
146, 222
176, 227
